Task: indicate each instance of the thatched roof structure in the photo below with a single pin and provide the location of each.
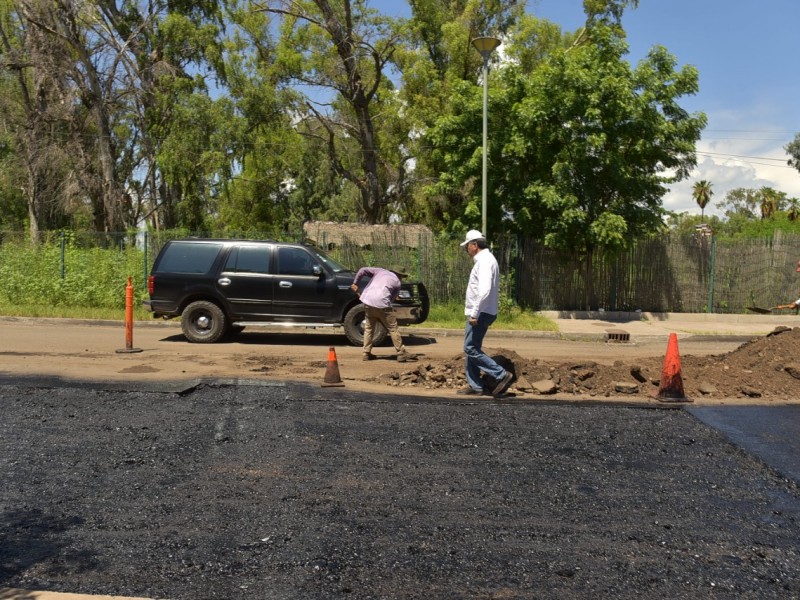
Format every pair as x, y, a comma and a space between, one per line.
327, 234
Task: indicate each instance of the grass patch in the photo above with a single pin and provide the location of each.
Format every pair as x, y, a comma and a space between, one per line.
451, 316
72, 312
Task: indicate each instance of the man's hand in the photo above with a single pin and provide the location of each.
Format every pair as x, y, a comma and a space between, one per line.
473, 321
354, 287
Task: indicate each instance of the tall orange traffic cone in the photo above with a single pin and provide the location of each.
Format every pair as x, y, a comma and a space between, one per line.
671, 388
332, 377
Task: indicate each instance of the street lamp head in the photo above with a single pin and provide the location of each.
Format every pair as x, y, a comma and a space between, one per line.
485, 45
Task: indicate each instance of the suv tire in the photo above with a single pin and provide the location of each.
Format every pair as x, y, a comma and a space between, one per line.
203, 322
354, 327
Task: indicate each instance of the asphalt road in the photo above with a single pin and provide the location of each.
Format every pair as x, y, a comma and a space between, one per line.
297, 491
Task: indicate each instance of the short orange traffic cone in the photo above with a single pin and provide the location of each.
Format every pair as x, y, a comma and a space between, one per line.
671, 388
332, 377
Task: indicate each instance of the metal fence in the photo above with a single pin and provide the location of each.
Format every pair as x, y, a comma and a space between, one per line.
664, 273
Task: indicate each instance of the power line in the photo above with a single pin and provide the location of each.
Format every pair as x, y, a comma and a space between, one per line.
748, 159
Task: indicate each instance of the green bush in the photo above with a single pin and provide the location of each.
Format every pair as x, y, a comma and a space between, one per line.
69, 275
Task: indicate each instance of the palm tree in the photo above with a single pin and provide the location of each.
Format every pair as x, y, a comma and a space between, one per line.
770, 202
793, 210
702, 195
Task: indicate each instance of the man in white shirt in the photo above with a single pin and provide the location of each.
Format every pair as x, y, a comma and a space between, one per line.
480, 310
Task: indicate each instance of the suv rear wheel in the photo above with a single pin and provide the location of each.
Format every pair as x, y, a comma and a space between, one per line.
354, 327
203, 322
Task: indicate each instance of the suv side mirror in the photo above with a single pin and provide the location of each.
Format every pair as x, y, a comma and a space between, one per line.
316, 270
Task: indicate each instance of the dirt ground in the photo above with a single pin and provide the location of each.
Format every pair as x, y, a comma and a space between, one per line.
765, 369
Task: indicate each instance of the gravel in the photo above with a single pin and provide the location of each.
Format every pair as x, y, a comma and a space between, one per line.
295, 491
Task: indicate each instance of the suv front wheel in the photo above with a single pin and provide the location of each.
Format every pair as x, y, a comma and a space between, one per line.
203, 322
354, 322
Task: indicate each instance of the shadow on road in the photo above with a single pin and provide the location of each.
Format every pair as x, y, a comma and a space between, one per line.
252, 338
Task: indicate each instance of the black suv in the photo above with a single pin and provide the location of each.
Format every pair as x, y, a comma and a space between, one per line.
219, 287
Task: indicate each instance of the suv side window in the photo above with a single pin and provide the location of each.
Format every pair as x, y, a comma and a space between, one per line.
249, 259
189, 257
294, 261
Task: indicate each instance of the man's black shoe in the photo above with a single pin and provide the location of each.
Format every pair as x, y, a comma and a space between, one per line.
503, 384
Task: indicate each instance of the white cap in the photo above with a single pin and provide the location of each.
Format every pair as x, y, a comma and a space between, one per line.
472, 235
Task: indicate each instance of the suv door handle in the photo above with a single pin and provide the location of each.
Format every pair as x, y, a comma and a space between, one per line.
224, 281
285, 284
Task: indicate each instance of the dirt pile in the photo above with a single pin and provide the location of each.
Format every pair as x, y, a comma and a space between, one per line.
766, 367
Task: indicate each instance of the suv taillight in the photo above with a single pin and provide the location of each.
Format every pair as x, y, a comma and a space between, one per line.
151, 284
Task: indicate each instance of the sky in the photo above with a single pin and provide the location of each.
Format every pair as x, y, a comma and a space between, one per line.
746, 53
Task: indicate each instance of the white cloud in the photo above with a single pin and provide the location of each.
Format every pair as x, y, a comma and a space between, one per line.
737, 151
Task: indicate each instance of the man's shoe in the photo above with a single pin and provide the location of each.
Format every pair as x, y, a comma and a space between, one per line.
503, 384
368, 356
406, 357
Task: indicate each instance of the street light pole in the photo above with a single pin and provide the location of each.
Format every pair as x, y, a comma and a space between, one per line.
485, 45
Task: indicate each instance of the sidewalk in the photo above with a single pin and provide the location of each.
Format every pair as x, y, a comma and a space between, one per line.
572, 325
596, 325
592, 326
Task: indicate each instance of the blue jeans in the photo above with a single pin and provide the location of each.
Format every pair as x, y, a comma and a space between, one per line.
477, 361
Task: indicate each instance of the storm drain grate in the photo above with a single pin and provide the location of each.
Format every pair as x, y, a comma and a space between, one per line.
617, 335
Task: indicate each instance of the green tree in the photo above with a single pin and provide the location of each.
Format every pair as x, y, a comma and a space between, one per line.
701, 192
749, 203
587, 144
177, 136
99, 86
37, 104
441, 74
742, 202
340, 52
793, 150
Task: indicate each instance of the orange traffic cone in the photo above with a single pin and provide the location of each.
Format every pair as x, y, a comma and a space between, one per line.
332, 377
671, 388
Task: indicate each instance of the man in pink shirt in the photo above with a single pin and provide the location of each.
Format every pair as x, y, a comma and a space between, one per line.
377, 298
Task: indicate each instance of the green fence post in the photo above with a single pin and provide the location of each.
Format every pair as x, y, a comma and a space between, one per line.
419, 257
144, 279
517, 268
63, 252
612, 301
711, 275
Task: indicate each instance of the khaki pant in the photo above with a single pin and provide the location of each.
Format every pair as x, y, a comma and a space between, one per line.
384, 316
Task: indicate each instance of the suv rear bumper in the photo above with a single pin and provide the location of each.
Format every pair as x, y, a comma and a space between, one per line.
161, 309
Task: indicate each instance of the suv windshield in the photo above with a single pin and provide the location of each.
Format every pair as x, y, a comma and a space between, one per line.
335, 266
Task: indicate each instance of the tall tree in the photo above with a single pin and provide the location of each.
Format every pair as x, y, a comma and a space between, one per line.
166, 53
120, 71
341, 51
440, 72
701, 192
37, 106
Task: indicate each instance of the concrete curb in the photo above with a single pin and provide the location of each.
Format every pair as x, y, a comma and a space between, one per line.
17, 594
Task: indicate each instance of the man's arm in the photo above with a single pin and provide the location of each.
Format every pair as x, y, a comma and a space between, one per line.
361, 273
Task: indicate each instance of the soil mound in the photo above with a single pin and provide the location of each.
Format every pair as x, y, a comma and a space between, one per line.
766, 367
